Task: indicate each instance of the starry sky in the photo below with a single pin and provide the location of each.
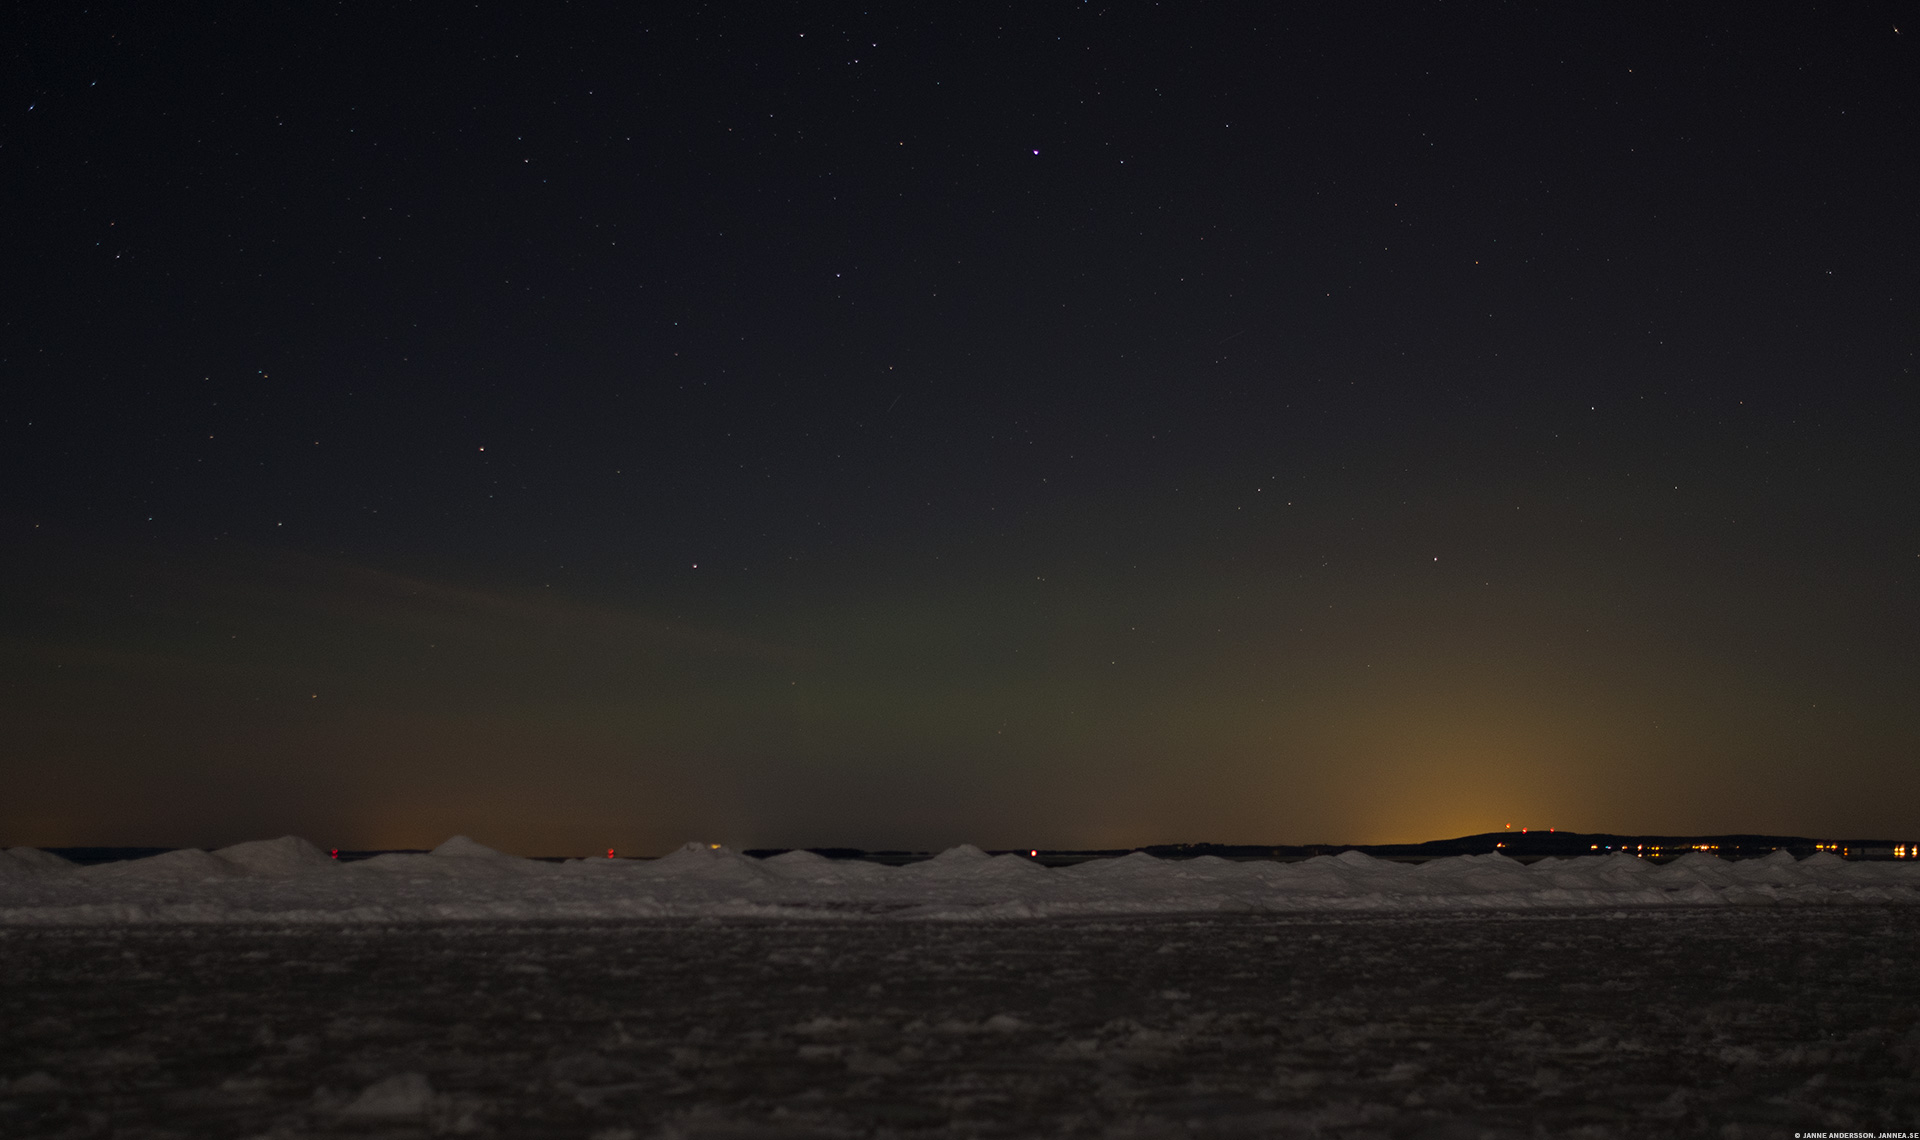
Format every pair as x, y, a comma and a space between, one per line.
1066, 424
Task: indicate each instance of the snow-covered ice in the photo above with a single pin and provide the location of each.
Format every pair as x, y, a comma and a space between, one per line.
265, 990
1721, 1022
290, 881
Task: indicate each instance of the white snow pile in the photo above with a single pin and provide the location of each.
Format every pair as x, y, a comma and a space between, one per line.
289, 881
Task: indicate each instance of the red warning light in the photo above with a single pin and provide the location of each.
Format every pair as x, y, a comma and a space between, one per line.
609, 852
336, 853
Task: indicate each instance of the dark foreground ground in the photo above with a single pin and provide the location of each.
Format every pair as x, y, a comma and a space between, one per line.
1715, 1023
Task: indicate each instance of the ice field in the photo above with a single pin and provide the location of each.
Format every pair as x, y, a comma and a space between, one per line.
267, 991
290, 881
1720, 1022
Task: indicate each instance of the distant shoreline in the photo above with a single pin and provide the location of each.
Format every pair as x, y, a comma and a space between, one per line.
1527, 846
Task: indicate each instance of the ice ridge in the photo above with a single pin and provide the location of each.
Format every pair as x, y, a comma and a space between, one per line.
288, 881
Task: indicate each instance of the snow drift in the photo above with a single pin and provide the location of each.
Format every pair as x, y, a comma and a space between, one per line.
289, 881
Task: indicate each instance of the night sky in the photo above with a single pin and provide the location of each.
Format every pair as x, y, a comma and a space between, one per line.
1056, 424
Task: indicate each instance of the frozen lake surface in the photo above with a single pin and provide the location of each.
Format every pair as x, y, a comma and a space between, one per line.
1713, 1021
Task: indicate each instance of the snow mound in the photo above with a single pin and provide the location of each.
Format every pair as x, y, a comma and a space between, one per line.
710, 862
33, 859
460, 847
185, 865
287, 855
1135, 866
811, 867
1009, 866
963, 860
457, 858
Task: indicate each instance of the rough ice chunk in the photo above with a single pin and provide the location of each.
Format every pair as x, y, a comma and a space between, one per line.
404, 1096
